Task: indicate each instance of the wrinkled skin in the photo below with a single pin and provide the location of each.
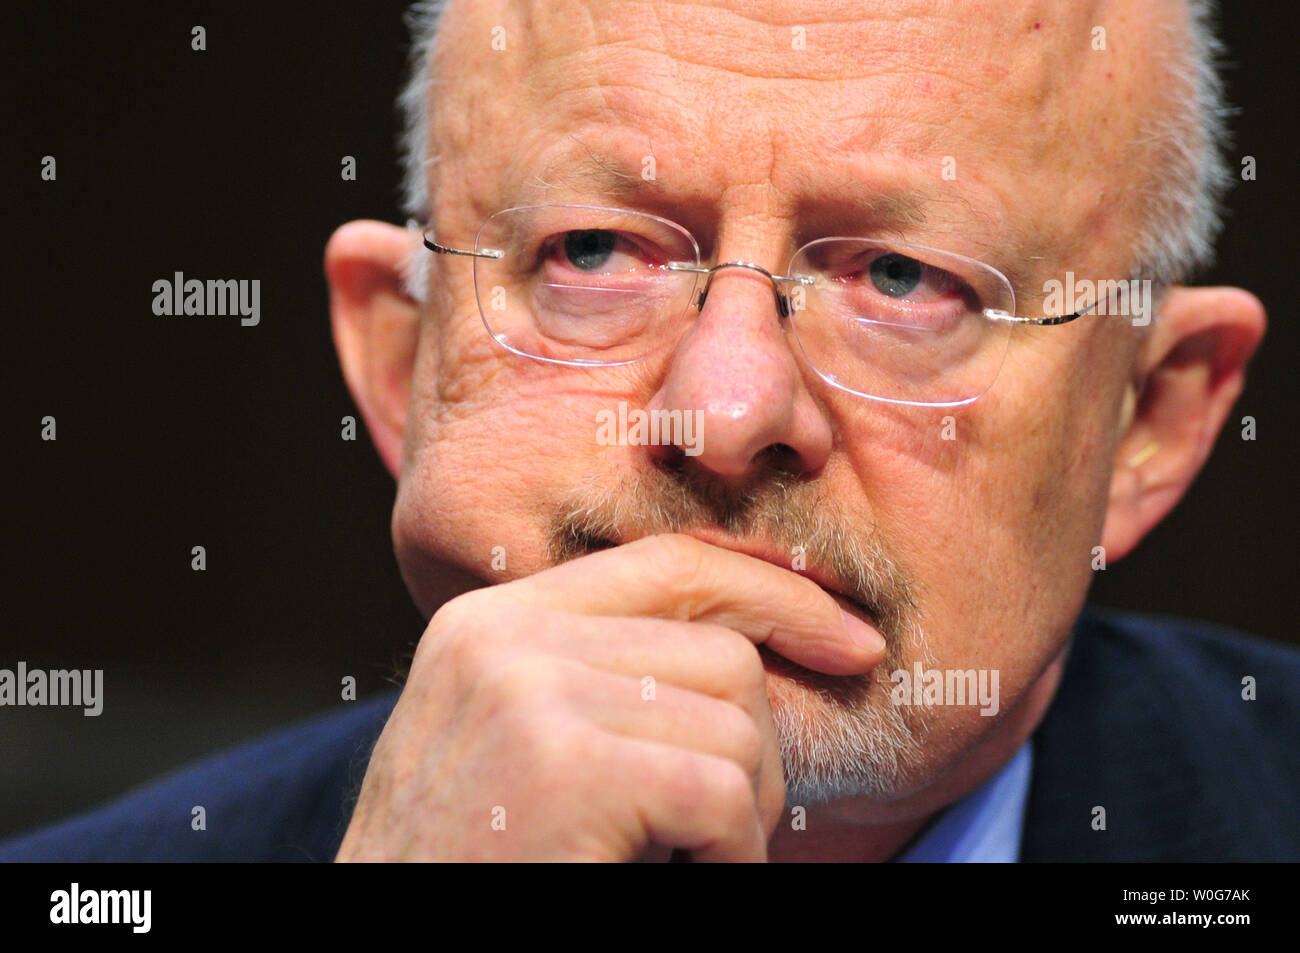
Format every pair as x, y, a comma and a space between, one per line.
758, 148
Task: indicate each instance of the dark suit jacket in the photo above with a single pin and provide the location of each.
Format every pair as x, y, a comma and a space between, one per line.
1149, 723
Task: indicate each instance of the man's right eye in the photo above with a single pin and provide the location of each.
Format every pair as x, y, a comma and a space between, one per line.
590, 249
597, 252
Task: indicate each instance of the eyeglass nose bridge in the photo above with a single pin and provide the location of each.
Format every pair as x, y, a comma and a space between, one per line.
782, 300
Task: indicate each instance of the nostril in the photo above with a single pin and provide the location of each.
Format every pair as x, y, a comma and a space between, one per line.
781, 457
670, 460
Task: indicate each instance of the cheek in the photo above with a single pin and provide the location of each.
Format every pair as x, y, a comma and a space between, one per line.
493, 441
993, 508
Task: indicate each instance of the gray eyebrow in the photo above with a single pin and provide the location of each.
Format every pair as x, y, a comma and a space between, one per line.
606, 175
610, 176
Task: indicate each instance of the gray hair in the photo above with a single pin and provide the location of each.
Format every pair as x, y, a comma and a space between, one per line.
1185, 212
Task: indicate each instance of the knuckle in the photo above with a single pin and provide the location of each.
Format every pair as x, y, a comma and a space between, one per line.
730, 795
746, 662
550, 741
771, 803
744, 739
736, 654
449, 627
732, 649
469, 655
517, 682
753, 675
472, 636
749, 742
456, 613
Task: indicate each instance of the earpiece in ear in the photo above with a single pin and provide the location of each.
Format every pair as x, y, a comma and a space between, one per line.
1127, 408
1143, 455
1127, 411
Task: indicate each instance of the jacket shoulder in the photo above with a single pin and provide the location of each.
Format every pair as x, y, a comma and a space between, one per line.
1184, 734
286, 796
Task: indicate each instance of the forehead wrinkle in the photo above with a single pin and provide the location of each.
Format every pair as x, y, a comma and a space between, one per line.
1035, 79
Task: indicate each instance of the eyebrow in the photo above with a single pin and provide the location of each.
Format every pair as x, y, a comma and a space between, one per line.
904, 208
588, 172
897, 211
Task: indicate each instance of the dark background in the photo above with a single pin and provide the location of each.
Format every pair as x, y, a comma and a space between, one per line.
176, 433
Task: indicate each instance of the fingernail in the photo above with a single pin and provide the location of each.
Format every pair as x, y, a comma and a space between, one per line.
863, 634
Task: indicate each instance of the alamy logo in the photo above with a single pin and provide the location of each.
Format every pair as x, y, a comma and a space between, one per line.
57, 687
211, 298
952, 686
1130, 298
75, 905
641, 428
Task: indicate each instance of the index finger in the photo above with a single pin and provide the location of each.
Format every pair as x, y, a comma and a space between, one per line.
679, 577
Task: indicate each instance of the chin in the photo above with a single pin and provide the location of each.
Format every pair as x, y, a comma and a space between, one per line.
841, 737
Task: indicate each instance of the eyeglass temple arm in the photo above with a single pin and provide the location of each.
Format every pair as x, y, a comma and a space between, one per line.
995, 314
433, 246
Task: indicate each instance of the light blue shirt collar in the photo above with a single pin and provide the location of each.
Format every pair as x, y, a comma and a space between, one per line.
985, 825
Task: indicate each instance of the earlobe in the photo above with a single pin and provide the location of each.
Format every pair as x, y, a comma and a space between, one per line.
1189, 373
376, 326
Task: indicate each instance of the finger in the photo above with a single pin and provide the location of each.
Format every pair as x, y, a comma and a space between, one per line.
680, 577
652, 662
698, 656
653, 653
692, 800
686, 719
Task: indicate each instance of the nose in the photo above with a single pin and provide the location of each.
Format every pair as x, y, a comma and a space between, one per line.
734, 369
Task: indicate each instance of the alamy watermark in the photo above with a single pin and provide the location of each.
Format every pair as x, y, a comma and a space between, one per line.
953, 686
55, 688
129, 907
641, 428
212, 298
1131, 298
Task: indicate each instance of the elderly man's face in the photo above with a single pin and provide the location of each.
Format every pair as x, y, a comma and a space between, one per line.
992, 130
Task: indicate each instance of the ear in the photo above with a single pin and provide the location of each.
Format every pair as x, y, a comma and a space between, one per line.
376, 326
1189, 373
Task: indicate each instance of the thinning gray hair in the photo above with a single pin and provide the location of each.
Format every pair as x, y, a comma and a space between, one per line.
1185, 211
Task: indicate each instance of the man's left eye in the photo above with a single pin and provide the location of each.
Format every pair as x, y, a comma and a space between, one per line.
896, 275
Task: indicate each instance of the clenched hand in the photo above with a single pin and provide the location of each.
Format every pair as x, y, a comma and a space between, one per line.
524, 731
